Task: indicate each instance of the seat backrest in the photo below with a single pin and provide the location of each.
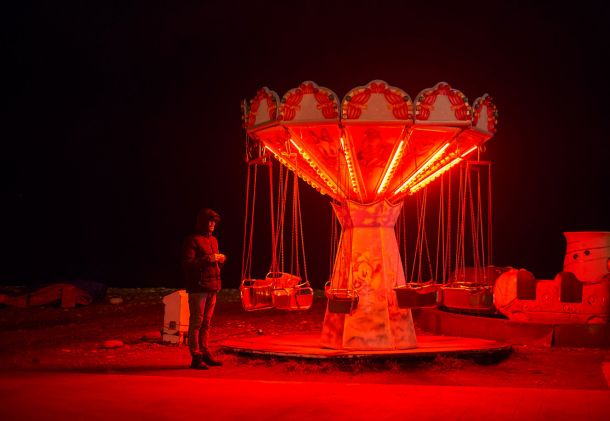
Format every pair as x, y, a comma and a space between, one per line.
570, 288
526, 285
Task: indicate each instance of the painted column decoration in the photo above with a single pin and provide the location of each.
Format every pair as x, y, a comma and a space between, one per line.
368, 261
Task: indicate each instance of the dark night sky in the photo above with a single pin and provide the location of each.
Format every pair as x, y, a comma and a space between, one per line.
124, 120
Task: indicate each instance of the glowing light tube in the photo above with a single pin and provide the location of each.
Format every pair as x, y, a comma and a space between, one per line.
295, 145
440, 171
307, 179
429, 162
391, 168
350, 167
316, 168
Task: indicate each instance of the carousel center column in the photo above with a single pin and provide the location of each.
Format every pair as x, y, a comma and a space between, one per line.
368, 261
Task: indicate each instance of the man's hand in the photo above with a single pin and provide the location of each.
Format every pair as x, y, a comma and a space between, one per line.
220, 258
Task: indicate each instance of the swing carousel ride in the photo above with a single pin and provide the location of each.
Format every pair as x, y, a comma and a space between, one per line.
376, 155
369, 153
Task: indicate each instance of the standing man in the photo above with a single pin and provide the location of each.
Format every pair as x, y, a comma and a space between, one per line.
202, 262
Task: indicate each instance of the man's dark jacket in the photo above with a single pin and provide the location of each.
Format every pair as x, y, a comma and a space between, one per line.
201, 271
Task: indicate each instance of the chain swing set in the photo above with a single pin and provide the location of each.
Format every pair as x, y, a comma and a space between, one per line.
462, 280
280, 289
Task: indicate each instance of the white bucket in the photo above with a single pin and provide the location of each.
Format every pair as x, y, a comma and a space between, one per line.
587, 254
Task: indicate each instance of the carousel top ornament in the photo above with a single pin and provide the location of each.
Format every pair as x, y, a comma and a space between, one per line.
375, 144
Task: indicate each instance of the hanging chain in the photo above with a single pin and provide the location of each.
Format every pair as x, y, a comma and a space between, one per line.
300, 220
473, 225
489, 219
294, 234
273, 221
246, 207
246, 272
478, 264
461, 220
446, 230
439, 230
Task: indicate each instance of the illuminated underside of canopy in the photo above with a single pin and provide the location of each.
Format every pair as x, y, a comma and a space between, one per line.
368, 153
376, 144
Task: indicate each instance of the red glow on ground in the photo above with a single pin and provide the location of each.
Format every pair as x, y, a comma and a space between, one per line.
154, 397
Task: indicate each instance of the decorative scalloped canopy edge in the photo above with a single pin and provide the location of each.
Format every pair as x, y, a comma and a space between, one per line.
485, 114
262, 108
309, 102
375, 101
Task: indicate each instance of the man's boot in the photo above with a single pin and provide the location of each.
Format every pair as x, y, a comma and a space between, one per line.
204, 338
197, 362
209, 360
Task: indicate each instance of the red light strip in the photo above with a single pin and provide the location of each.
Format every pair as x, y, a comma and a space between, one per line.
350, 167
295, 145
317, 168
440, 171
305, 178
391, 168
429, 162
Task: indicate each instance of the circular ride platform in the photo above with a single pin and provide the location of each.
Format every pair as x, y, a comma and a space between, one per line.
308, 347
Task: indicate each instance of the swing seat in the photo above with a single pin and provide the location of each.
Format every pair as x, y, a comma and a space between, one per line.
468, 297
256, 294
283, 280
341, 301
417, 295
293, 299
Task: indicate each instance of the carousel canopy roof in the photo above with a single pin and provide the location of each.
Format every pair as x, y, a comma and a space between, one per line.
375, 144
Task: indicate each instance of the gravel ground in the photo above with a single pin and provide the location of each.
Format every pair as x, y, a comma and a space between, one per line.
76, 340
